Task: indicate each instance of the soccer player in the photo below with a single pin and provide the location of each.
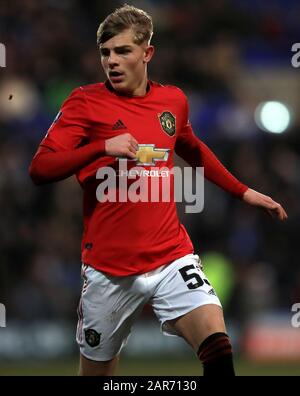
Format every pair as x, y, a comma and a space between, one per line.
135, 253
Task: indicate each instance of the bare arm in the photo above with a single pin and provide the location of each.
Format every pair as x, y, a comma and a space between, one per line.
257, 199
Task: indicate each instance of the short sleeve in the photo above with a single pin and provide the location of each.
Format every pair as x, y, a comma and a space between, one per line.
71, 124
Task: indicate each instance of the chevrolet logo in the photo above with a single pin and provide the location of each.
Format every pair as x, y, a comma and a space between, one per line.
147, 154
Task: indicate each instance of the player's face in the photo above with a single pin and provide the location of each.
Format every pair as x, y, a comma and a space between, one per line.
125, 63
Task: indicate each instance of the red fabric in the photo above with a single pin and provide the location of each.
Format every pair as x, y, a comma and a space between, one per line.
125, 238
49, 166
217, 347
196, 153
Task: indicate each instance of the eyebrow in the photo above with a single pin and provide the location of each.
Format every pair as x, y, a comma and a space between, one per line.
126, 46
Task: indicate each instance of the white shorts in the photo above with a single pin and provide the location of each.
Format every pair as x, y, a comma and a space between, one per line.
109, 305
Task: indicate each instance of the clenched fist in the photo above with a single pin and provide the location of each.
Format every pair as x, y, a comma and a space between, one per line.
122, 146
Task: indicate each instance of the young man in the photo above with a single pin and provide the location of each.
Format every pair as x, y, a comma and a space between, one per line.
136, 252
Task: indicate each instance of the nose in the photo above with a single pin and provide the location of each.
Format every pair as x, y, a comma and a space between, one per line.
113, 59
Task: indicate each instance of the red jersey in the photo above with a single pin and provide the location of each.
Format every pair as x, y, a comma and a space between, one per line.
126, 238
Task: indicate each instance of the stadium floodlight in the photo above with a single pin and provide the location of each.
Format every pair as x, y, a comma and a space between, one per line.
272, 117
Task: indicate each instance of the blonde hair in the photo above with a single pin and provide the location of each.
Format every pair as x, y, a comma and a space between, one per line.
123, 18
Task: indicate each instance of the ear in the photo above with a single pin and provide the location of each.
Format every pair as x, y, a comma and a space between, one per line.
149, 51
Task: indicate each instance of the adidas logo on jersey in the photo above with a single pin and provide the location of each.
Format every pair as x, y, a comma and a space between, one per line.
119, 125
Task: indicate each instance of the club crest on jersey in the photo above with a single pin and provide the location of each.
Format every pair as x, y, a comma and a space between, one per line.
168, 122
147, 154
92, 337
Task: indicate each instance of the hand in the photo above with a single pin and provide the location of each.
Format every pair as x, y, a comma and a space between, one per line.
255, 198
122, 146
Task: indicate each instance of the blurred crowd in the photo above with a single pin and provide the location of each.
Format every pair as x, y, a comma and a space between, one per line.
227, 56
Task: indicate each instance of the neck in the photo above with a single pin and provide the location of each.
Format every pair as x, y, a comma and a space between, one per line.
141, 89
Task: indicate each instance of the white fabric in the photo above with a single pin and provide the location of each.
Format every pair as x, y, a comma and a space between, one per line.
109, 305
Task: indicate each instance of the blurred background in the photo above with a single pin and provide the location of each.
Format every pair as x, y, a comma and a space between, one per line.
234, 61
